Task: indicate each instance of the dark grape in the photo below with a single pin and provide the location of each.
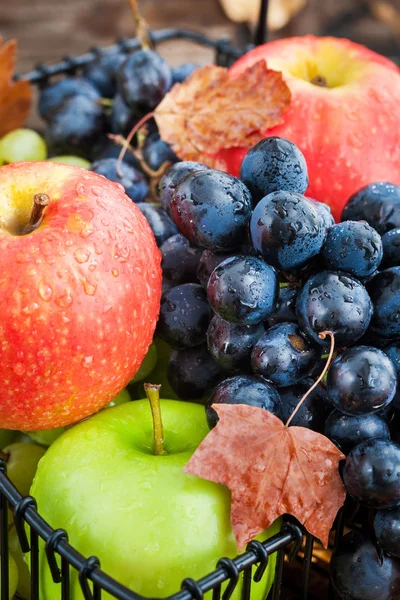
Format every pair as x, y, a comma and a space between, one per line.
314, 410
172, 177
112, 150
361, 380
244, 389
156, 152
143, 80
285, 311
359, 572
208, 261
286, 229
180, 260
283, 356
384, 290
182, 72
274, 164
391, 248
160, 223
392, 350
378, 204
78, 127
122, 118
212, 209
354, 247
184, 316
102, 71
336, 302
387, 530
324, 213
132, 180
243, 289
53, 96
347, 431
230, 345
371, 473
193, 373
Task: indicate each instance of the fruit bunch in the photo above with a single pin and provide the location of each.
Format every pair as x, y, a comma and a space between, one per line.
110, 96
254, 277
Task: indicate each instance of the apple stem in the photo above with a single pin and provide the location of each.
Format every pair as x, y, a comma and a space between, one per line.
153, 394
141, 26
322, 336
40, 201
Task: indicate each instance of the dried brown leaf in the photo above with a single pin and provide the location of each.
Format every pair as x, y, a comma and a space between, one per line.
270, 470
15, 97
212, 110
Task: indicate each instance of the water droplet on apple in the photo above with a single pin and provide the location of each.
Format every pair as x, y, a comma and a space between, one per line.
96, 191
90, 288
19, 368
64, 301
81, 255
105, 222
80, 189
121, 253
87, 361
107, 308
115, 272
92, 267
45, 291
69, 243
30, 308
128, 227
98, 250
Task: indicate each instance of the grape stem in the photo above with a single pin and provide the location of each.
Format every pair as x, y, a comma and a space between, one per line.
40, 201
321, 336
142, 30
129, 138
153, 395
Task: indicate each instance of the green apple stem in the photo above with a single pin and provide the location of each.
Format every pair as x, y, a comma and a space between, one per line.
153, 394
141, 26
322, 336
40, 201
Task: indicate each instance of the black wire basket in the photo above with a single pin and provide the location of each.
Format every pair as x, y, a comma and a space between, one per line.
61, 556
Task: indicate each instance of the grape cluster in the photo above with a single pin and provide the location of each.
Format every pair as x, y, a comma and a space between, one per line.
110, 96
255, 273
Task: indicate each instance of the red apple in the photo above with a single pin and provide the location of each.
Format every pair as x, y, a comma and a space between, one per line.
80, 294
348, 128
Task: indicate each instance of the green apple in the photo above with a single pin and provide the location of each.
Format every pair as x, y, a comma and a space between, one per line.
22, 460
12, 575
6, 437
24, 580
75, 161
150, 524
159, 373
148, 364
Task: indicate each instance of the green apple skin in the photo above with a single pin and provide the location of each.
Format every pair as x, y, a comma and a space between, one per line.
148, 364
150, 524
6, 437
12, 576
158, 375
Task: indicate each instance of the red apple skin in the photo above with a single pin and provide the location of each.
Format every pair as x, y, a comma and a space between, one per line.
350, 134
79, 295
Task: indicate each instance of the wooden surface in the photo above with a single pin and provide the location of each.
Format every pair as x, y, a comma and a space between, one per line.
48, 29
